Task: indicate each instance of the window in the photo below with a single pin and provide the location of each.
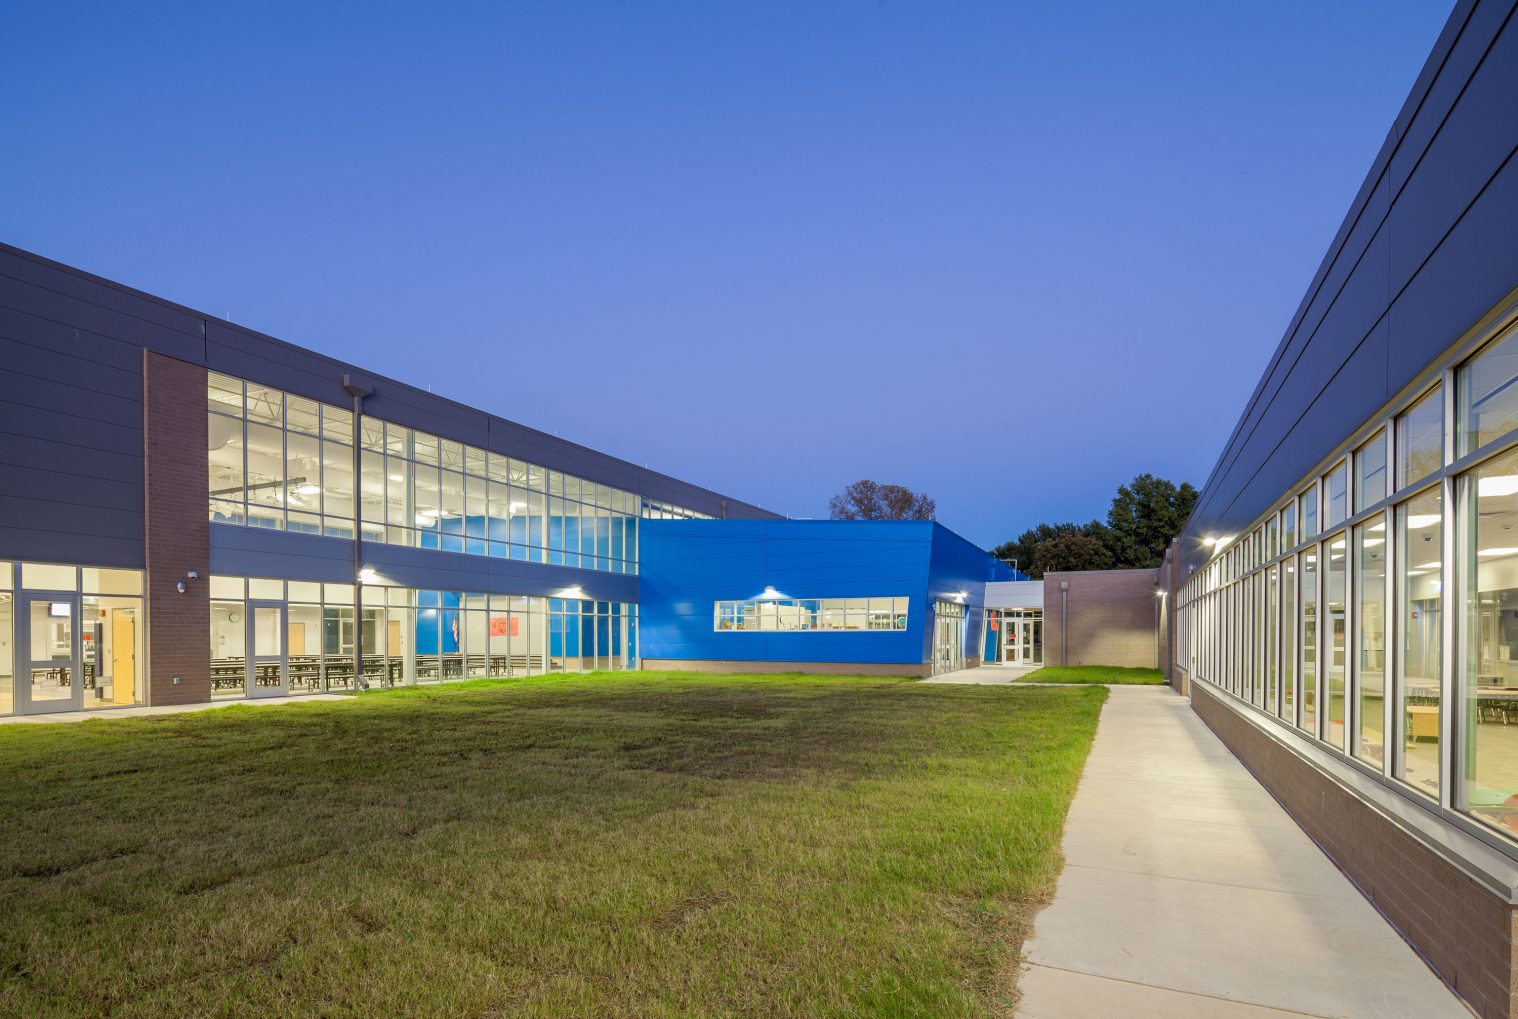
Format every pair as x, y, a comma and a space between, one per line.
1289, 526
1333, 602
1335, 502
1489, 577
1288, 639
1420, 439
1419, 532
1370, 472
1309, 515
1370, 639
811, 614
284, 461
1487, 394
1308, 702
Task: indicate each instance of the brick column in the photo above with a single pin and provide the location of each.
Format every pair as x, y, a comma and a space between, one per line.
178, 534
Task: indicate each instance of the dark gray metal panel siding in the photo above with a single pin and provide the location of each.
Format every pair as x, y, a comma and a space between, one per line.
447, 571
48, 310
71, 444
262, 552
1429, 248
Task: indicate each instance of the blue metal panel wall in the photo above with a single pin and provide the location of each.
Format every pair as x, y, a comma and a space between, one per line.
958, 567
1427, 249
689, 564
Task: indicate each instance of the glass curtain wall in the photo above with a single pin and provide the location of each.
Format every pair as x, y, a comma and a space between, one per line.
283, 461
1335, 611
411, 637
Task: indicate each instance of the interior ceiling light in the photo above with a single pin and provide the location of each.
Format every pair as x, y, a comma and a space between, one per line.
308, 489
1420, 520
1501, 484
1497, 551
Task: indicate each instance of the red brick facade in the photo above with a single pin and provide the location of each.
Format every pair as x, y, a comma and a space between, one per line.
178, 533
1105, 617
1464, 929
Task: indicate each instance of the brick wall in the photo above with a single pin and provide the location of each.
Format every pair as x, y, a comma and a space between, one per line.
1110, 616
178, 536
1464, 929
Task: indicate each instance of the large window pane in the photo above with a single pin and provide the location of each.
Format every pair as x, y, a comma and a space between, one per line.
1335, 497
1309, 599
1370, 472
1333, 599
1289, 638
266, 476
1420, 439
1309, 513
1419, 530
1489, 679
1487, 394
1370, 624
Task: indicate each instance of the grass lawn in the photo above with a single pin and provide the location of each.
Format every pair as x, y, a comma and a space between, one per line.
1094, 674
630, 844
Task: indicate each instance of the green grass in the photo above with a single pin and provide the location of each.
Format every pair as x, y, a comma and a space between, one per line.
630, 844
1094, 674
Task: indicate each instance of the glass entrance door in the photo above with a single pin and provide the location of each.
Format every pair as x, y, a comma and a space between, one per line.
268, 661
50, 678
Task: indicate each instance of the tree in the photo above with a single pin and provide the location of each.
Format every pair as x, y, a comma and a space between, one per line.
1146, 514
1071, 550
1023, 549
868, 500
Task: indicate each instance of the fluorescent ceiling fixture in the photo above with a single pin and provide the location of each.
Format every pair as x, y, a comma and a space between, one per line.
1501, 484
1497, 551
1379, 527
1416, 573
1373, 542
1432, 566
308, 489
397, 477
1421, 520
1338, 544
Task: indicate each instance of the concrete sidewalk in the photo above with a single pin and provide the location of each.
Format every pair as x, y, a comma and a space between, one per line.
986, 675
1188, 891
144, 711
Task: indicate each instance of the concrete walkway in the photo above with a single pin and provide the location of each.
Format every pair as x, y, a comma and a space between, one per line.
1188, 891
986, 675
141, 711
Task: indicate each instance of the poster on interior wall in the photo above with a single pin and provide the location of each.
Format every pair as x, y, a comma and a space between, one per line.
503, 626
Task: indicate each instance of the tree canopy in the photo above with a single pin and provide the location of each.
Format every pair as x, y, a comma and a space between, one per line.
1145, 515
870, 500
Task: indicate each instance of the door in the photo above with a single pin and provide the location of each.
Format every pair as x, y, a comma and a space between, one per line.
268, 660
50, 678
123, 655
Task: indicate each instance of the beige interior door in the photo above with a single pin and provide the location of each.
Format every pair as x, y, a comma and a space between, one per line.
123, 657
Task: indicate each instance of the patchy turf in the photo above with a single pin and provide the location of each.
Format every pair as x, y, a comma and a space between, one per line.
629, 844
1094, 674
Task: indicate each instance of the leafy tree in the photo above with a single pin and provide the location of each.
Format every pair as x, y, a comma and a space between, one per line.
1023, 549
1071, 550
1146, 514
868, 500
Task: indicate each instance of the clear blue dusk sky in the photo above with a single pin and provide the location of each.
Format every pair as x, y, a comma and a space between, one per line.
982, 249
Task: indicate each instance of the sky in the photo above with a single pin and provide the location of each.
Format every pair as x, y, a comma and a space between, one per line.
1010, 254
